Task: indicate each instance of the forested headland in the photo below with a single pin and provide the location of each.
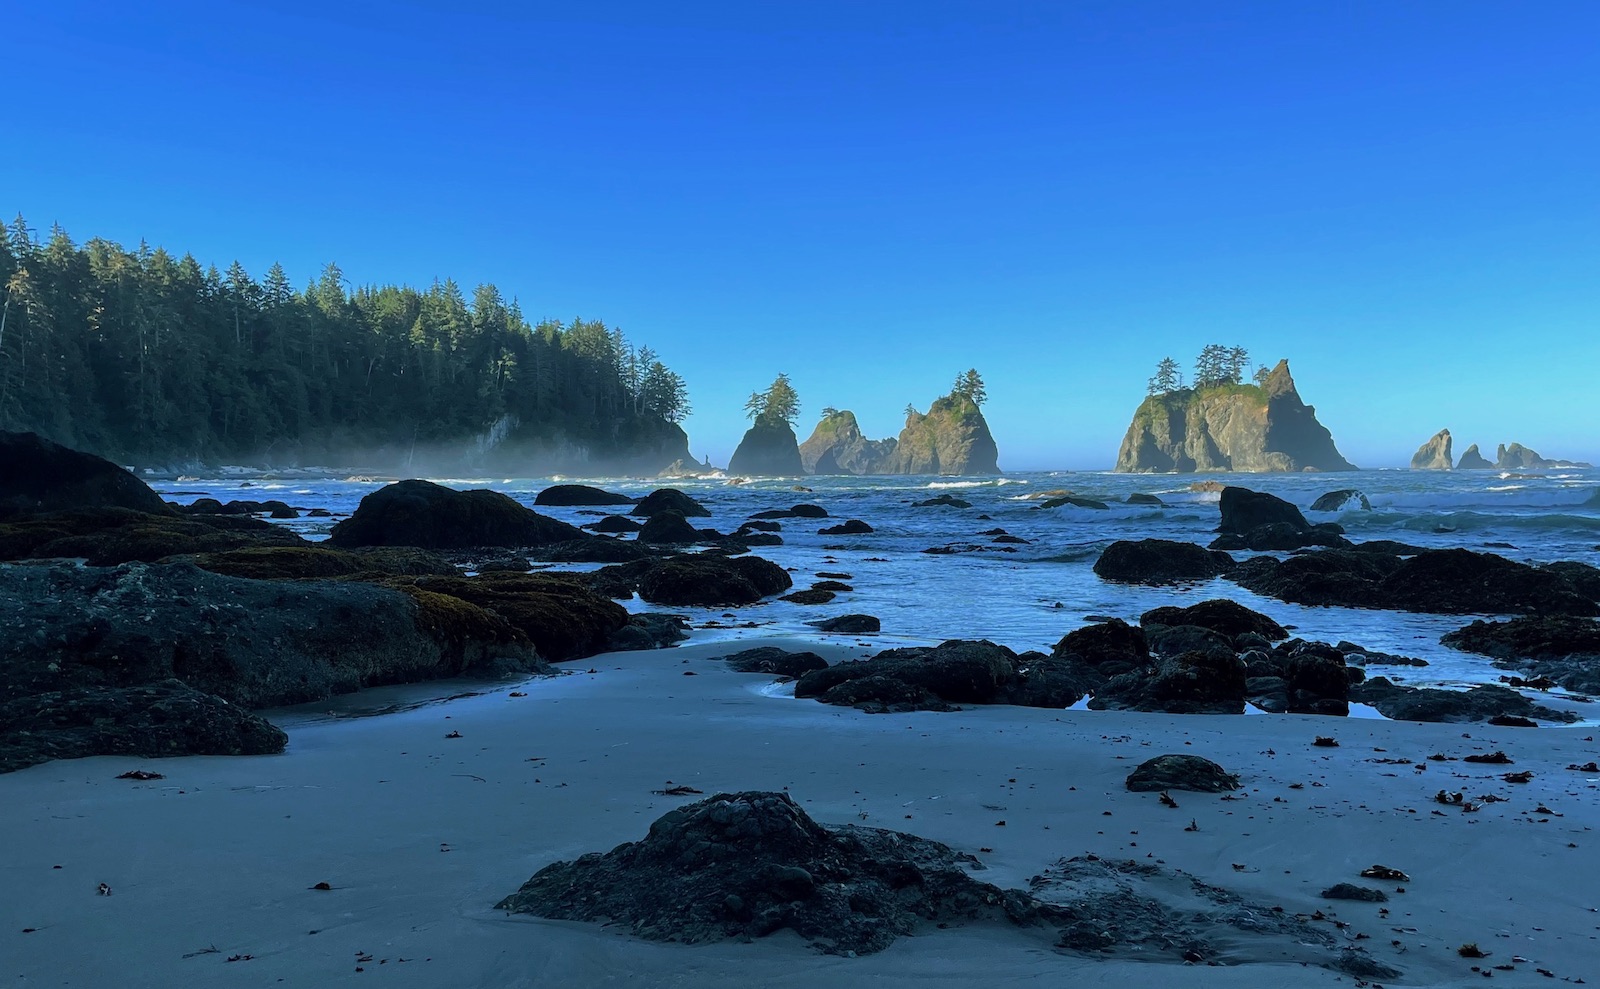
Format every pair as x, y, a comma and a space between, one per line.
156, 359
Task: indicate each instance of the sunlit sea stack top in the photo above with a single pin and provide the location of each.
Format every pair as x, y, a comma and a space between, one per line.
1221, 423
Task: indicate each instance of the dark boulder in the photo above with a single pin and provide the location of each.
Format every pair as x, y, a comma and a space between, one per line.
809, 596
700, 580
569, 495
942, 501
1220, 615
1350, 891
1174, 640
1160, 561
1139, 498
669, 500
669, 527
849, 527
746, 865
954, 672
1317, 680
1109, 648
1244, 510
808, 512
1181, 772
1563, 649
1191, 683
848, 624
778, 662
759, 525
558, 613
150, 720
37, 475
1448, 581
650, 630
1282, 537
421, 513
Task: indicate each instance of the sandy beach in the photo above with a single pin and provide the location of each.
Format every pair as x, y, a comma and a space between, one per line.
420, 834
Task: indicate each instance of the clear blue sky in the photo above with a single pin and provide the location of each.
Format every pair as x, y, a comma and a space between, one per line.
1401, 198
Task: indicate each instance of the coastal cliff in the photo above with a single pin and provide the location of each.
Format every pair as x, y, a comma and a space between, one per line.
768, 449
1434, 454
1229, 427
836, 446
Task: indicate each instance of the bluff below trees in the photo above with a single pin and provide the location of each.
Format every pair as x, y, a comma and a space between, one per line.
952, 437
1230, 427
148, 357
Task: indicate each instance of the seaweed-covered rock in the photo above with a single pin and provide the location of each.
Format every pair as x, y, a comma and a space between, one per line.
1109, 648
1317, 681
649, 630
312, 562
669, 499
432, 516
37, 475
571, 495
151, 720
254, 643
105, 537
1190, 683
778, 662
558, 613
669, 526
746, 865
1220, 615
590, 551
954, 672
1181, 772
1445, 581
1428, 704
1350, 891
1561, 648
1160, 561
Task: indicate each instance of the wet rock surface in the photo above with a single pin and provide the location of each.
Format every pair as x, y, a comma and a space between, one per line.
151, 720
778, 662
669, 499
1560, 648
110, 536
694, 580
848, 624
1160, 561
1428, 704
1446, 581
939, 677
1181, 772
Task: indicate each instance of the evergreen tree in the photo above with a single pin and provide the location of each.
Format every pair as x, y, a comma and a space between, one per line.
779, 404
970, 386
1167, 377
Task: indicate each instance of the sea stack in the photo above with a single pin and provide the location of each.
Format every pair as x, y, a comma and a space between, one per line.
1518, 457
1434, 454
952, 437
1230, 427
836, 446
768, 449
1473, 460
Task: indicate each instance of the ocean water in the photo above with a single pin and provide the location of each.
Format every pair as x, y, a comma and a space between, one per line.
1029, 598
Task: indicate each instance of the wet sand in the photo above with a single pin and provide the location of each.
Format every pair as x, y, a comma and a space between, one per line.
419, 835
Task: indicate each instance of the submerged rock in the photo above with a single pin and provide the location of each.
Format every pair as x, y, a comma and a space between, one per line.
849, 527
1181, 772
1074, 501
1160, 561
421, 513
942, 501
579, 494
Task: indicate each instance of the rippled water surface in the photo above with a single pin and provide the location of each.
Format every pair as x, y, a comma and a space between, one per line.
1029, 598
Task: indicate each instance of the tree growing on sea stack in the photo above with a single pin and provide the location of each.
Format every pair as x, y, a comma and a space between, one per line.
970, 387
780, 403
1219, 365
1168, 378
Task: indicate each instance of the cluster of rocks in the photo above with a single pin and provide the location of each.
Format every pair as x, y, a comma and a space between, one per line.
1258, 521
206, 613
1556, 648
